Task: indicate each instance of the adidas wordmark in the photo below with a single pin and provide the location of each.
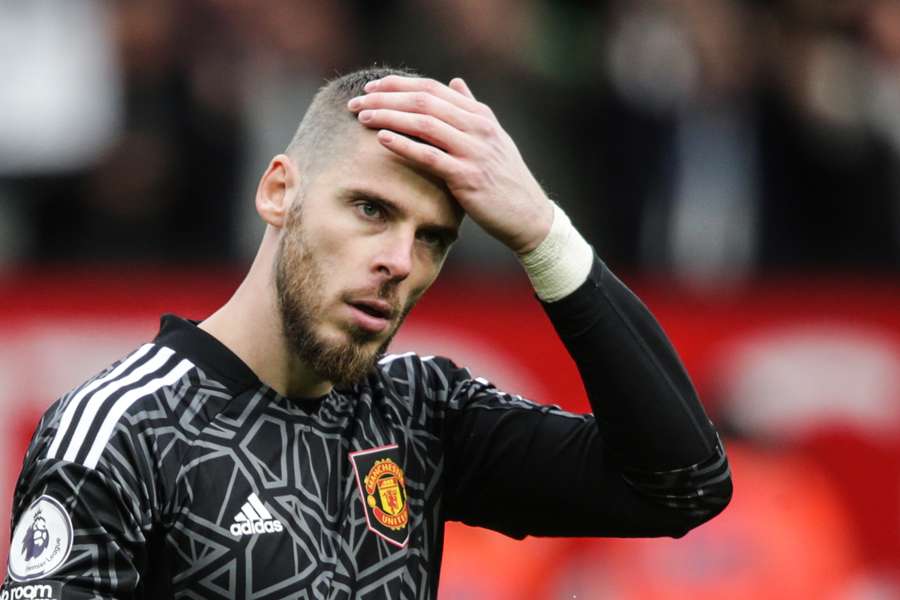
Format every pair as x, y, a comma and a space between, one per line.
255, 518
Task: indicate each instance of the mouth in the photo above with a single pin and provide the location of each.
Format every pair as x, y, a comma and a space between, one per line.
371, 314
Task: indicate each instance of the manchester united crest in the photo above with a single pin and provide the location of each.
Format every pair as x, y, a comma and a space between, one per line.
382, 486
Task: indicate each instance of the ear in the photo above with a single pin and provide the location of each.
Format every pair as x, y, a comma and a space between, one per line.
277, 190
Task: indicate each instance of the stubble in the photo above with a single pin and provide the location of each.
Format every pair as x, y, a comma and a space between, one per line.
299, 281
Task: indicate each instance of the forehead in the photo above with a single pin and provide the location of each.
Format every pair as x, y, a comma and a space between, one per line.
364, 164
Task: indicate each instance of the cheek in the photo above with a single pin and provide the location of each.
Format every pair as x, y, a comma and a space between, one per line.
425, 276
327, 248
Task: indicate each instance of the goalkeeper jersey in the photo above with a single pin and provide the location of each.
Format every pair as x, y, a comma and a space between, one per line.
177, 473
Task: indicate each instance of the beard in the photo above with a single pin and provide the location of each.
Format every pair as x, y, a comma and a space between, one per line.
299, 281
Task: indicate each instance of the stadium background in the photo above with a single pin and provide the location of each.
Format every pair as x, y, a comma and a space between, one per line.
736, 162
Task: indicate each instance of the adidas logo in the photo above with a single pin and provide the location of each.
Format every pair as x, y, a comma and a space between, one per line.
254, 518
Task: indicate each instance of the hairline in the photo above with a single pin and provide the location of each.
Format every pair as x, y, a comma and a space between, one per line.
324, 132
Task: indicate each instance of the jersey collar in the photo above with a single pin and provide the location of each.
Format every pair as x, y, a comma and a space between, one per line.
186, 338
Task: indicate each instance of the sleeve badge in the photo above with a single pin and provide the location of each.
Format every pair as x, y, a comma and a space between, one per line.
42, 540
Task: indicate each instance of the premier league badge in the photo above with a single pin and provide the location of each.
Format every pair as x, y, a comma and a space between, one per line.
382, 487
42, 540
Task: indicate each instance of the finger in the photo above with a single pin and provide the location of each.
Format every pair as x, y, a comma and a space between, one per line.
458, 84
434, 160
432, 130
416, 102
399, 83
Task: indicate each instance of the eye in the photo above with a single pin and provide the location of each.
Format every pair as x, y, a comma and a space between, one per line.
431, 239
434, 240
370, 210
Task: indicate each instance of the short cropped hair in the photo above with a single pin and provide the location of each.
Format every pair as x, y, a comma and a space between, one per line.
325, 129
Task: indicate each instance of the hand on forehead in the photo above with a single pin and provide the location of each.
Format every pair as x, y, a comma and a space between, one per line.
465, 146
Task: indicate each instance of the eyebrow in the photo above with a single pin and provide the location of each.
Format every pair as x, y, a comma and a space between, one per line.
449, 234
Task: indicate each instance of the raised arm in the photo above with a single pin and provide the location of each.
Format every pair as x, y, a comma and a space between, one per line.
648, 461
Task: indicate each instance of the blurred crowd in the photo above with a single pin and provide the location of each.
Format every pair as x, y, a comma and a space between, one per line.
705, 139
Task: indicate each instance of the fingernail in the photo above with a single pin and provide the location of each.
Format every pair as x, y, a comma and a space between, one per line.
354, 103
386, 136
372, 85
365, 115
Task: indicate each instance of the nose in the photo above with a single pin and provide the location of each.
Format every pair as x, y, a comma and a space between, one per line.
395, 256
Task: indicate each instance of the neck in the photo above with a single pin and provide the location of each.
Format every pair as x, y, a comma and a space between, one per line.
249, 325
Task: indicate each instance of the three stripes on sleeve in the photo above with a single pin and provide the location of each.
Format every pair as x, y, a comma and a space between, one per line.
91, 413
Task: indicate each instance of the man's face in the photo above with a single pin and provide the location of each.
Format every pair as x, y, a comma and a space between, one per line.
361, 245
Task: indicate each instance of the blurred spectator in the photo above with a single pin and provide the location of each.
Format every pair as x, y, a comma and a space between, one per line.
732, 137
284, 53
706, 138
60, 98
829, 195
163, 189
60, 102
674, 146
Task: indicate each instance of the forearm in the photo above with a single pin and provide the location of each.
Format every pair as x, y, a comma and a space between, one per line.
649, 417
646, 464
645, 405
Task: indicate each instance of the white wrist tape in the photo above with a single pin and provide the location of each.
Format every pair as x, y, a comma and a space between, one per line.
561, 263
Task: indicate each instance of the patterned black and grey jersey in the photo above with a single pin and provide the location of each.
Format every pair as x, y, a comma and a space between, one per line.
176, 473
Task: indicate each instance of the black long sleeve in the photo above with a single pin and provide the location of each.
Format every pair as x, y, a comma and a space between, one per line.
648, 462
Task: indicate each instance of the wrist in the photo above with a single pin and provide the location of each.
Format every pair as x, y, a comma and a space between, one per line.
539, 227
561, 262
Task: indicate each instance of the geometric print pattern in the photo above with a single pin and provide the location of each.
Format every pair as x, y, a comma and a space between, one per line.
160, 456
156, 460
